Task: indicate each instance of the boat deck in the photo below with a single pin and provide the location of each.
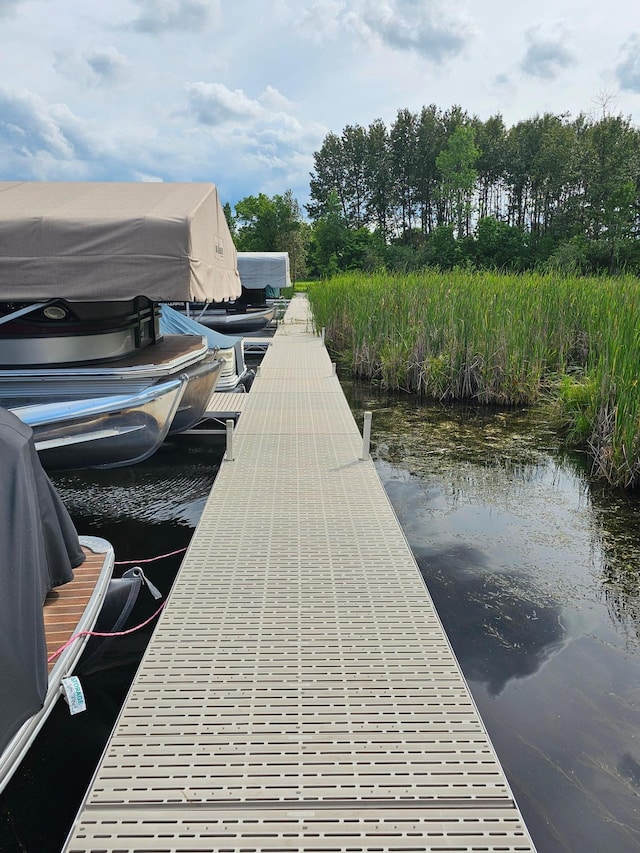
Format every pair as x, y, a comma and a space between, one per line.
299, 692
64, 605
168, 356
165, 351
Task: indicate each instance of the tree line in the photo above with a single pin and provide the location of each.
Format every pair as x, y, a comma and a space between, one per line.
446, 189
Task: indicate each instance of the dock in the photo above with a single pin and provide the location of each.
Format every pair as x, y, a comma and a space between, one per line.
299, 692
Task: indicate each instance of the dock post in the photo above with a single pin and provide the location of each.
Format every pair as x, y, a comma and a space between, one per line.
229, 450
333, 368
322, 335
366, 435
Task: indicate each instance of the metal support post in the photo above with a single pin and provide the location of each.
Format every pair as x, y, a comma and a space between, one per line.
229, 451
366, 435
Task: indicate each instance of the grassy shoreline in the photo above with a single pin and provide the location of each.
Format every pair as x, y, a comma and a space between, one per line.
570, 344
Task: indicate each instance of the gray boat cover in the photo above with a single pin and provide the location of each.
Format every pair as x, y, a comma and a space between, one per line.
259, 270
87, 242
38, 550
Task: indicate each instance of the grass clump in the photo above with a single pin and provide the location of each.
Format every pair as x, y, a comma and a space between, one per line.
501, 339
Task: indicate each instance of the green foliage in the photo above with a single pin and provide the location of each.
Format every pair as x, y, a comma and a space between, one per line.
499, 245
328, 241
549, 181
577, 403
441, 249
333, 247
567, 343
378, 179
228, 215
456, 164
570, 257
328, 178
263, 224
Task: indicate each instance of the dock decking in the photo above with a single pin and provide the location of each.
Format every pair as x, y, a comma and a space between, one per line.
299, 692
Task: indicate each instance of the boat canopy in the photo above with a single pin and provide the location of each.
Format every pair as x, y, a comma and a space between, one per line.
260, 270
39, 548
91, 241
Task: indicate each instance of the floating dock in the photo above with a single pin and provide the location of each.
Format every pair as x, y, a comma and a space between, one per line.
299, 692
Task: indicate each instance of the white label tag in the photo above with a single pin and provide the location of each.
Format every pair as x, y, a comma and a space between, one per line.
73, 694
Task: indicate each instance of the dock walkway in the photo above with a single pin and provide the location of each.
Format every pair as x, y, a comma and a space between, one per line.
299, 693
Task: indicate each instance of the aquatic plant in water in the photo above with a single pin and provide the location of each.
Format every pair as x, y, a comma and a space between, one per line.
501, 339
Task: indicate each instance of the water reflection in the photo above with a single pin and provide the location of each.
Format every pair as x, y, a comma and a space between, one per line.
171, 486
630, 768
536, 496
476, 544
534, 572
617, 537
504, 630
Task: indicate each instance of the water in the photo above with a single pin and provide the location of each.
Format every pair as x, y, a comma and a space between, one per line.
534, 572
144, 510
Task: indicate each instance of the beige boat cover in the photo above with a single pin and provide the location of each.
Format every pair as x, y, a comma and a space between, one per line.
89, 242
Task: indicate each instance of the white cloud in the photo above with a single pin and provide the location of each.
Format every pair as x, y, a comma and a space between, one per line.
263, 126
272, 99
547, 54
243, 93
29, 127
322, 20
214, 104
107, 64
628, 70
9, 7
159, 16
245, 145
42, 141
94, 67
426, 28
261, 138
148, 179
270, 114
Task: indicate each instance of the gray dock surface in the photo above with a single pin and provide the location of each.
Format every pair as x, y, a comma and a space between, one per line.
299, 692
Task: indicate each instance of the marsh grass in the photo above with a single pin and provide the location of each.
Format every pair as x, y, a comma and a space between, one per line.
569, 344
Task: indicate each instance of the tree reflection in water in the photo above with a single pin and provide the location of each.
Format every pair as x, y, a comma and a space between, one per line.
534, 572
504, 630
617, 535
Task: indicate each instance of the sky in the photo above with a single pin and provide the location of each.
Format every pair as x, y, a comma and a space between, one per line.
243, 92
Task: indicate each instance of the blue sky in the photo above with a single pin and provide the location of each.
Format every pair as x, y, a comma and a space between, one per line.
242, 92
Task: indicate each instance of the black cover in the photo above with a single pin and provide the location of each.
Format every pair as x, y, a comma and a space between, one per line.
39, 547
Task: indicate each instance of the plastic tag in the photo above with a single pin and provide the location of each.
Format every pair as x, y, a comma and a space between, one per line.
74, 694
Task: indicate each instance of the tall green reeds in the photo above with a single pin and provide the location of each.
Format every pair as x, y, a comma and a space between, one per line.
502, 339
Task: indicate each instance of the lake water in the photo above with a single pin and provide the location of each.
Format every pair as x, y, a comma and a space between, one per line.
535, 574
533, 569
145, 510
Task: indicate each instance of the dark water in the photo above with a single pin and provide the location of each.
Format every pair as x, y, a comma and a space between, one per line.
144, 510
535, 574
